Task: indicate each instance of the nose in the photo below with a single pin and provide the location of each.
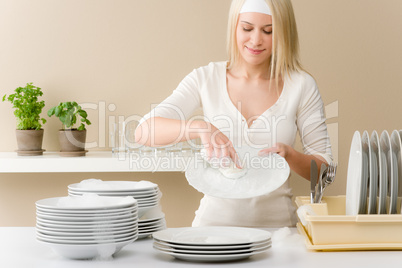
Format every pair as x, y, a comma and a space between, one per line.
256, 38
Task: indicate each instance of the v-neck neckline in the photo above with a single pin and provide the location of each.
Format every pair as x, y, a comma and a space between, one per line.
227, 99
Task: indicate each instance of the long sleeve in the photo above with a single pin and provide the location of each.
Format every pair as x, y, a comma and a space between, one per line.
182, 103
311, 121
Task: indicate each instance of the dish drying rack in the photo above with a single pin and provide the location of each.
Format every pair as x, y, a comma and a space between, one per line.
328, 228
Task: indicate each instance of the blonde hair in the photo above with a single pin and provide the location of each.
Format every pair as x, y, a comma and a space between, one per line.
285, 41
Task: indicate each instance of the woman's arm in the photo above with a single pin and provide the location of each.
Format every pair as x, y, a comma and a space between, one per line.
313, 132
159, 131
298, 162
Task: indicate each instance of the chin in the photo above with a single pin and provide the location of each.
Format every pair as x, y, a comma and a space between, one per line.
256, 62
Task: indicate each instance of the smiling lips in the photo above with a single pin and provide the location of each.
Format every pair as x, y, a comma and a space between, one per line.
255, 51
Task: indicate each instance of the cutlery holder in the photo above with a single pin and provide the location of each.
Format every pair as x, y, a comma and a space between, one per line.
331, 228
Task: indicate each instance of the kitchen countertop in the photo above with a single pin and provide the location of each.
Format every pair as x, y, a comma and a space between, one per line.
19, 248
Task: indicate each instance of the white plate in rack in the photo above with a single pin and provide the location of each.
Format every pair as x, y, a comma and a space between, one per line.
354, 176
396, 170
387, 161
374, 173
400, 163
365, 173
382, 178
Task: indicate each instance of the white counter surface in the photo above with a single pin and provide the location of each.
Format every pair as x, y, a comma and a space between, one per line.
19, 248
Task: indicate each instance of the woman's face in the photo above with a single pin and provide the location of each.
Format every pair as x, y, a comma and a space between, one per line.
254, 37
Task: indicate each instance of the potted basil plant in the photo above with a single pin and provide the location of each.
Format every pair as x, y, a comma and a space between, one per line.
28, 108
71, 138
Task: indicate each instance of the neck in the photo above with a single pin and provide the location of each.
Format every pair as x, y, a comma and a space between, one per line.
252, 72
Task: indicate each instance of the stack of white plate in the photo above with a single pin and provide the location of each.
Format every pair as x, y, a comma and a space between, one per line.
87, 226
147, 194
374, 179
212, 244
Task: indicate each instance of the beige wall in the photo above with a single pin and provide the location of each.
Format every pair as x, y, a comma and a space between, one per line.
133, 53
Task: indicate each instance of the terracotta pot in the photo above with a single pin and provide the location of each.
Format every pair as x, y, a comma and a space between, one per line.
72, 142
29, 141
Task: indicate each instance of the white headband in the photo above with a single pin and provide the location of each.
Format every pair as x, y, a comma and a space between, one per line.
259, 6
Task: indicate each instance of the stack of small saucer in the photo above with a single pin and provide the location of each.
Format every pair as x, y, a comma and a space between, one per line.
87, 226
147, 194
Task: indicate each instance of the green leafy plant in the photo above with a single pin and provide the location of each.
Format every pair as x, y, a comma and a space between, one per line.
68, 113
27, 107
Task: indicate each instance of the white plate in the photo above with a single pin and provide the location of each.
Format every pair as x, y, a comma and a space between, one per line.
88, 212
374, 173
84, 231
115, 186
103, 202
147, 204
87, 251
145, 235
153, 214
143, 194
90, 232
150, 227
383, 179
264, 175
210, 252
219, 235
365, 173
400, 163
386, 150
87, 242
209, 247
212, 258
396, 170
87, 223
86, 235
148, 233
133, 210
87, 219
95, 227
354, 176
151, 223
89, 239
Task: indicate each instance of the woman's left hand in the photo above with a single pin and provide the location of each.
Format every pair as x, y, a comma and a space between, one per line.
279, 148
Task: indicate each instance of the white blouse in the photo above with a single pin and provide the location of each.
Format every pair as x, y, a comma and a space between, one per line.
299, 108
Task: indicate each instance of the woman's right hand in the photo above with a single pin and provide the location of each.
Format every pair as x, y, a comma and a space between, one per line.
216, 143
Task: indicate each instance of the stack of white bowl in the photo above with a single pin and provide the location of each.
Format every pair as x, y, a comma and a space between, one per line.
88, 226
150, 215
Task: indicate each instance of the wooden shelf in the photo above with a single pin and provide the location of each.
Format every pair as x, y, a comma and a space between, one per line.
97, 161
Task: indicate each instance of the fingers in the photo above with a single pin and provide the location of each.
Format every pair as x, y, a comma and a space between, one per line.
267, 151
278, 148
235, 157
218, 146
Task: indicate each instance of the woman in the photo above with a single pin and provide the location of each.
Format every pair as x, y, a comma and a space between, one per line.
260, 97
